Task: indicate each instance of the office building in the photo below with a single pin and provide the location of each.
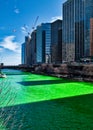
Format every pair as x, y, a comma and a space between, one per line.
91, 37
56, 41
88, 27
33, 47
73, 30
23, 53
28, 50
43, 43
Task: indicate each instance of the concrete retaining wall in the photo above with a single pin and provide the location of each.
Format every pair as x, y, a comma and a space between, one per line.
81, 72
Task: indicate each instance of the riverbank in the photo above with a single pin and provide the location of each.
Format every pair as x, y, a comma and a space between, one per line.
75, 71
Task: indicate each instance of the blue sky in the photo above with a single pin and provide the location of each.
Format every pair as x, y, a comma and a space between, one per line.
17, 17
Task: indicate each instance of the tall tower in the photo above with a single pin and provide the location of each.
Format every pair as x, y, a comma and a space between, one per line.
88, 26
56, 41
43, 43
33, 47
23, 53
73, 30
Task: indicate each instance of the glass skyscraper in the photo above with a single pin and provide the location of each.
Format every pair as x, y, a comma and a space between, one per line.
23, 53
43, 43
73, 30
88, 17
56, 41
33, 47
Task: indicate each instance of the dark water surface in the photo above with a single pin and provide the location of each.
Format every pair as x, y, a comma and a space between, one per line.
36, 102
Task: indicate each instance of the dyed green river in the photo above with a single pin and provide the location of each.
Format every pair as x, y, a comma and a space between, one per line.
36, 102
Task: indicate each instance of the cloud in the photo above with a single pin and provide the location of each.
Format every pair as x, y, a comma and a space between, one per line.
17, 11
24, 29
55, 18
8, 43
1, 49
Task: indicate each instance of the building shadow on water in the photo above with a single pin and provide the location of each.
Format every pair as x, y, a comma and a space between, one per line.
43, 82
60, 114
16, 74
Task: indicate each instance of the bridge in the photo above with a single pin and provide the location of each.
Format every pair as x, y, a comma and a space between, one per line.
26, 68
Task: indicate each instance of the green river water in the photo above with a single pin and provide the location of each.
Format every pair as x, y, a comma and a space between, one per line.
36, 102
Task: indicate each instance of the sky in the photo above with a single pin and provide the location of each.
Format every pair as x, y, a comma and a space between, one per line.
17, 17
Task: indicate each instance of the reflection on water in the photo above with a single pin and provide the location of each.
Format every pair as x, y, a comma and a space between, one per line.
36, 102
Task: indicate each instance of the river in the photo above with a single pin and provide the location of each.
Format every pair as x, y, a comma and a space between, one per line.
36, 102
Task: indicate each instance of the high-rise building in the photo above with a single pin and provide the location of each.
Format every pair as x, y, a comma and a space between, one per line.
28, 50
43, 43
91, 37
23, 53
73, 30
56, 41
60, 45
33, 47
88, 27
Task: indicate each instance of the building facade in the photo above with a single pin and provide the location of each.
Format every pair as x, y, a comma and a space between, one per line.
43, 43
28, 50
56, 41
91, 37
33, 47
73, 30
23, 53
88, 27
